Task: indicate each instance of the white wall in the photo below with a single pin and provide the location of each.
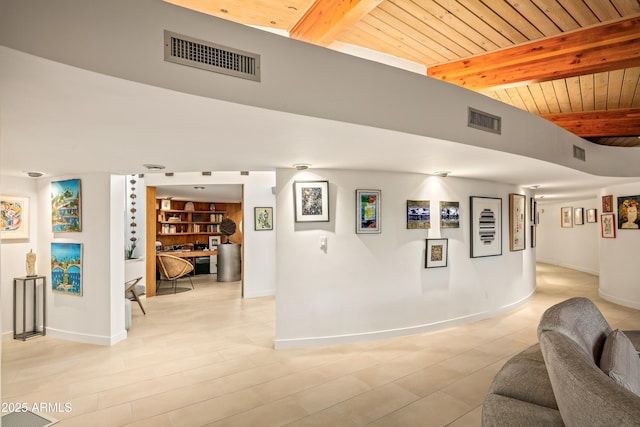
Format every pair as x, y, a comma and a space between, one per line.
375, 285
575, 247
619, 280
259, 246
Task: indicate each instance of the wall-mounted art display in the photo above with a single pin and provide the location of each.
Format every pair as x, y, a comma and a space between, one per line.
486, 226
608, 225
566, 217
66, 268
607, 203
214, 241
437, 253
533, 208
578, 216
516, 222
534, 230
263, 218
311, 200
14, 217
65, 206
592, 215
418, 214
628, 212
449, 214
165, 204
368, 211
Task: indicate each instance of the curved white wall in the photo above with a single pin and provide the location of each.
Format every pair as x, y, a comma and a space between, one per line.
368, 286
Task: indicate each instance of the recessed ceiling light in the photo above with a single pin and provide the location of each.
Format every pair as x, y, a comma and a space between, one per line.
533, 187
198, 188
34, 174
301, 166
153, 167
442, 174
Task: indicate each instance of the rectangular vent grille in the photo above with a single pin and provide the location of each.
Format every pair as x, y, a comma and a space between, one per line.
210, 56
579, 153
484, 121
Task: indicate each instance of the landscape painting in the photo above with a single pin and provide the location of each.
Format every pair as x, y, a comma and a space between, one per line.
65, 206
66, 268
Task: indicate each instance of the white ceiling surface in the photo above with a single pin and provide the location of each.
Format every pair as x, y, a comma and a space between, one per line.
62, 120
222, 193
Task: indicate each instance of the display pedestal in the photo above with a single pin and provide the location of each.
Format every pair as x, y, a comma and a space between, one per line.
229, 268
33, 280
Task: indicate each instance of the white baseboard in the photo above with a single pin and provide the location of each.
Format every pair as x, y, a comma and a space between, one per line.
87, 338
262, 293
572, 267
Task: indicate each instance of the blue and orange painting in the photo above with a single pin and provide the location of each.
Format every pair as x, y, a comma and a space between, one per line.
66, 268
65, 206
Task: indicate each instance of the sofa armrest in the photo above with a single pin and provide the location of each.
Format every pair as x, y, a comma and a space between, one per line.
501, 411
634, 337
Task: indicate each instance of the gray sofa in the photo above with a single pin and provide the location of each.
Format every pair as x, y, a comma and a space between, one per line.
559, 381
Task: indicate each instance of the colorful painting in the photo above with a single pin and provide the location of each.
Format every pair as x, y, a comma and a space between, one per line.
418, 214
608, 226
628, 213
263, 218
449, 215
516, 222
607, 203
14, 217
486, 226
65, 206
66, 268
311, 200
367, 211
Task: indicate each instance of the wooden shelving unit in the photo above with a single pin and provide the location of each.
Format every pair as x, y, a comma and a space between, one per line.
181, 225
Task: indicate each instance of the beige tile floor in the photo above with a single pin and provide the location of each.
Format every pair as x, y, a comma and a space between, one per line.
206, 358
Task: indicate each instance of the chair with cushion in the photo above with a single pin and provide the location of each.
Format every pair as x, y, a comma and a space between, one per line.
173, 268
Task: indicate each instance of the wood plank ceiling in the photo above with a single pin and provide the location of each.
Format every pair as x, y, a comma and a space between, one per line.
574, 62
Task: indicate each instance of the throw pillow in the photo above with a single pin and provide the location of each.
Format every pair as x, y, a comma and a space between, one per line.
620, 361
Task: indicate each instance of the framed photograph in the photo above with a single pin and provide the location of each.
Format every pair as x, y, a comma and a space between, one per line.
578, 216
418, 214
437, 252
14, 217
628, 212
311, 200
517, 211
263, 218
66, 268
534, 230
566, 217
486, 226
607, 203
214, 241
65, 206
533, 207
592, 215
165, 204
608, 226
368, 211
449, 214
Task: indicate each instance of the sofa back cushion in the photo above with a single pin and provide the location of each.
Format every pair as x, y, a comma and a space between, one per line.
621, 362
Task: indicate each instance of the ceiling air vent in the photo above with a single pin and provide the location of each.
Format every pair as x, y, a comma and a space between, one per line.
212, 57
484, 121
579, 153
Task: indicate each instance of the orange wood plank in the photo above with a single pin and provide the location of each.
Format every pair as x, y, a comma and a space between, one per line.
623, 122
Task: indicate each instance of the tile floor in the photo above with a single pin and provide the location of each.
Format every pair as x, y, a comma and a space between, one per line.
206, 358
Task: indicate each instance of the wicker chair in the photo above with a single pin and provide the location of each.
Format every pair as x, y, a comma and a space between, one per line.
173, 268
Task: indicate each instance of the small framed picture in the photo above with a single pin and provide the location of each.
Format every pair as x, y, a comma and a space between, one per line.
418, 214
165, 204
608, 225
437, 252
263, 218
14, 217
311, 200
578, 216
592, 215
516, 222
214, 242
607, 203
367, 211
566, 217
449, 214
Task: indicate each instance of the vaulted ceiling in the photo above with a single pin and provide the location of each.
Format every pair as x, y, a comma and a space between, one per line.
573, 62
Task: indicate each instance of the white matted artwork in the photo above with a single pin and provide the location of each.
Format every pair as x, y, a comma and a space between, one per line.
517, 206
311, 200
486, 226
14, 217
437, 253
214, 241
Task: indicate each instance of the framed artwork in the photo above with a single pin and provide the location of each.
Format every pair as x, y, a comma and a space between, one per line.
449, 214
437, 253
608, 225
311, 200
534, 230
578, 216
66, 268
592, 215
533, 207
566, 217
517, 204
628, 212
486, 226
368, 211
14, 217
263, 218
607, 203
65, 206
165, 204
214, 241
418, 214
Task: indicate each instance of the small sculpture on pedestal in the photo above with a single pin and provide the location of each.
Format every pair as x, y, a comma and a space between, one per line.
31, 264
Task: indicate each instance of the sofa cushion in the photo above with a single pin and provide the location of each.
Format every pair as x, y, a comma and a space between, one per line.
500, 411
621, 362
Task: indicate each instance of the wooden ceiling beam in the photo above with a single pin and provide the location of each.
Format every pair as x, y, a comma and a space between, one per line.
326, 19
623, 122
606, 47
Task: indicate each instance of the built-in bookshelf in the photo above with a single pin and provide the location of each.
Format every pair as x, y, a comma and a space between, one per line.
184, 222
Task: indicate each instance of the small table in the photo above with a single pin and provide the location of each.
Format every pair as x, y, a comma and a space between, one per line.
34, 281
